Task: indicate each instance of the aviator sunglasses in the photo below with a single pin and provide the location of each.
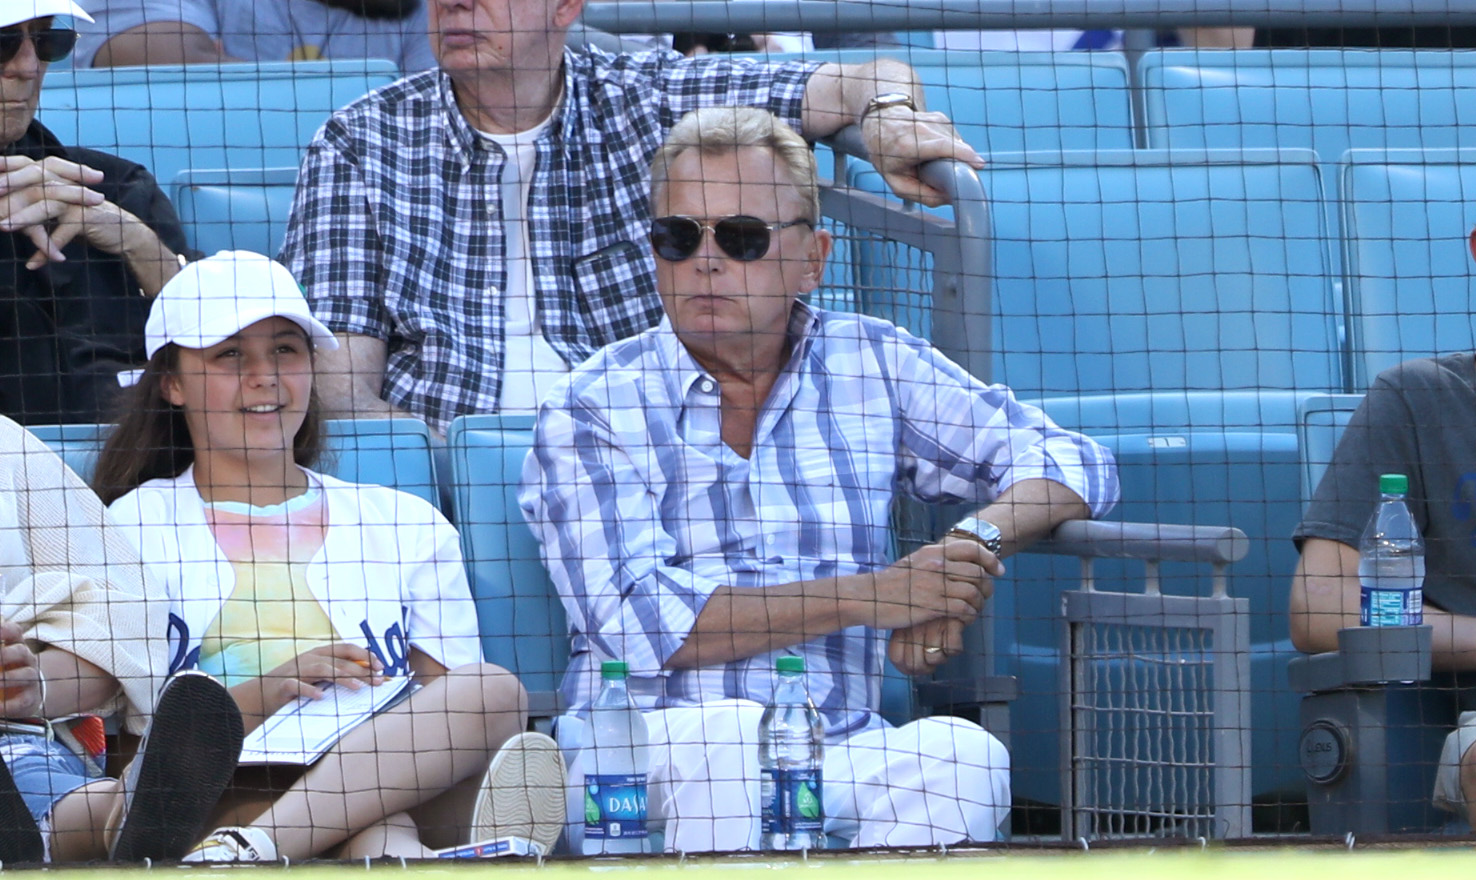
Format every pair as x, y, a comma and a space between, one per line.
741, 237
52, 44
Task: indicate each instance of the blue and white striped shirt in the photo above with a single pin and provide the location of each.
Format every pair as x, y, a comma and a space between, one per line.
643, 511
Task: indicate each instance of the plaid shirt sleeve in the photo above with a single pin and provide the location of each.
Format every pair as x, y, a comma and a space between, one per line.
333, 245
965, 440
687, 84
602, 537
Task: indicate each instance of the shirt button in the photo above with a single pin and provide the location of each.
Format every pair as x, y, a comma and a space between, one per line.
706, 386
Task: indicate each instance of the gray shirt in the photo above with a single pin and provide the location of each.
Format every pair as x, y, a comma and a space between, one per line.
1418, 419
268, 30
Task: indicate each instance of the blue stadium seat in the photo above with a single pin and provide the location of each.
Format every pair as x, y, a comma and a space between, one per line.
235, 208
1175, 305
169, 118
78, 445
391, 452
521, 619
1410, 282
1328, 100
1016, 101
1320, 423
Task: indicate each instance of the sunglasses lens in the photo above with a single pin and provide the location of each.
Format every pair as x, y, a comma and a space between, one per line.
10, 43
55, 44
675, 238
742, 238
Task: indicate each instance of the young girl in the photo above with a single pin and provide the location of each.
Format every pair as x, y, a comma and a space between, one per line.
283, 580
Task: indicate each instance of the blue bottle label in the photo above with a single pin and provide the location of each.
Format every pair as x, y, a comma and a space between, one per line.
793, 801
1391, 607
615, 806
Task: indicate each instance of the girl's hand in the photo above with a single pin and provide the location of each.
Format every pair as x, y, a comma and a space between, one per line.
340, 663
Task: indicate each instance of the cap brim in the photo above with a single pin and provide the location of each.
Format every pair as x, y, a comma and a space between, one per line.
18, 11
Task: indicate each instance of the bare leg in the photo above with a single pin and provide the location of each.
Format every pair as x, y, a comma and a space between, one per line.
394, 836
80, 821
445, 733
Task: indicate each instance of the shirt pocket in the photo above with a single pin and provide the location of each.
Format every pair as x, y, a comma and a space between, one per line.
616, 292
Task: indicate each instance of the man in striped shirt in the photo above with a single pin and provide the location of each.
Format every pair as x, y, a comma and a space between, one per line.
716, 492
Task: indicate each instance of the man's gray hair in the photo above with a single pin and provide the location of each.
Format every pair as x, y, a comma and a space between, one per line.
722, 129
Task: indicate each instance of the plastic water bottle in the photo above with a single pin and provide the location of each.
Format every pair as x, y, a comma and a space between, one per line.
791, 749
615, 767
1391, 561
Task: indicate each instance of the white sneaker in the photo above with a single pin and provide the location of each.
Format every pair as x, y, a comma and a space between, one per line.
234, 844
523, 793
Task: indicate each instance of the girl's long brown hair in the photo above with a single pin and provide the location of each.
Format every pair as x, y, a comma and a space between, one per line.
152, 439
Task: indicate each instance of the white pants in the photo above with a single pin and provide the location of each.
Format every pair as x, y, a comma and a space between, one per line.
937, 780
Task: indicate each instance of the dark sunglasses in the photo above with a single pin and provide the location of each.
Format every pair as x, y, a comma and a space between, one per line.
52, 44
740, 236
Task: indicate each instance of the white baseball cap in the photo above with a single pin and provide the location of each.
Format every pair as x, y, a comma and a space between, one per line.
17, 11
213, 299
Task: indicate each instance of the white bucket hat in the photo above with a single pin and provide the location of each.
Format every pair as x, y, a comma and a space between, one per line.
213, 299
17, 11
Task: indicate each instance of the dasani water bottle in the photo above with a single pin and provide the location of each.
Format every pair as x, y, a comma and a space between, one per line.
791, 748
1391, 561
615, 767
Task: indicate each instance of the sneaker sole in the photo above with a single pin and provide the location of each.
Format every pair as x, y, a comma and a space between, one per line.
523, 792
186, 761
20, 837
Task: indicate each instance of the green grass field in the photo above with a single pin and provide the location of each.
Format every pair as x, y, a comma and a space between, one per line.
1285, 864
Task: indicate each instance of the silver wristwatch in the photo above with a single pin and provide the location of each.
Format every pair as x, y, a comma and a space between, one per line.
981, 530
887, 99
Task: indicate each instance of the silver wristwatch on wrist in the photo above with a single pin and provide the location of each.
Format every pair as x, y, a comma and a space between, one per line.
981, 530
887, 99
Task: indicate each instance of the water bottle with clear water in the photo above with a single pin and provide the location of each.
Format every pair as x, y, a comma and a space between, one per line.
791, 748
615, 766
1391, 561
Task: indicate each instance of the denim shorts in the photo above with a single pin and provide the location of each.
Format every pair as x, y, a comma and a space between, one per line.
44, 770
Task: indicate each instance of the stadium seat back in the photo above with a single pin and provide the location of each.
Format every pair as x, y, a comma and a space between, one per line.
1410, 285
1320, 424
235, 208
169, 118
521, 619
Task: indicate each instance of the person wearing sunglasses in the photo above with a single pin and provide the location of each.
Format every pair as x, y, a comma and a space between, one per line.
716, 492
82, 235
473, 231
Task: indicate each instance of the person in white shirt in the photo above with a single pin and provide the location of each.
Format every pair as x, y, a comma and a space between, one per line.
283, 581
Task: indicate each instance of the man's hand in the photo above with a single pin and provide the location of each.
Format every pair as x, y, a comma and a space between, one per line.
917, 650
900, 140
340, 663
950, 579
20, 675
49, 202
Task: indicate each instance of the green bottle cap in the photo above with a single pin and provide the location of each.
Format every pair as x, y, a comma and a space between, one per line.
1394, 484
614, 669
790, 664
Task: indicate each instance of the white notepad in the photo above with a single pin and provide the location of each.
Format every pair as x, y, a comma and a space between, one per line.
301, 731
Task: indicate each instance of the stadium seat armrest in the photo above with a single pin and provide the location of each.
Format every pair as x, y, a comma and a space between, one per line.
1366, 655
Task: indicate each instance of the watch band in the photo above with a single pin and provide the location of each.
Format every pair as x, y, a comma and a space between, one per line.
887, 99
981, 530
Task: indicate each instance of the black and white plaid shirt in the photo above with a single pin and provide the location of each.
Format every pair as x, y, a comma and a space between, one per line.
396, 228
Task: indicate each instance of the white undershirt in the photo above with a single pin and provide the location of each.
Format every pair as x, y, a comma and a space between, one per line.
530, 365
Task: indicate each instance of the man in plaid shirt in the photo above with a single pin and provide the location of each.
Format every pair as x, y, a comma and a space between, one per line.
715, 493
473, 231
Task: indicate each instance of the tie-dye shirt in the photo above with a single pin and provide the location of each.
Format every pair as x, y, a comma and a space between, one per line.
272, 614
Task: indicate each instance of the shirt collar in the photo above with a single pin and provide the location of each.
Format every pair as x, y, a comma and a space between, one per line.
468, 140
683, 371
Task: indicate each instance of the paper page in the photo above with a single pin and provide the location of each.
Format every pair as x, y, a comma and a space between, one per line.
301, 731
